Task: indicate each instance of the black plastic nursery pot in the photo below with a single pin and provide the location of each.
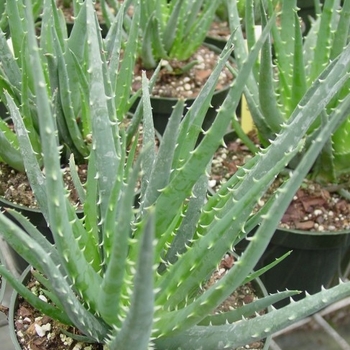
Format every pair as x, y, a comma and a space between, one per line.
35, 216
3, 111
218, 42
305, 11
261, 292
317, 258
315, 261
162, 108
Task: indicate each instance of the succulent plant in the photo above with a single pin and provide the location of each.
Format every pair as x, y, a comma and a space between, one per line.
288, 65
222, 12
64, 62
173, 29
131, 277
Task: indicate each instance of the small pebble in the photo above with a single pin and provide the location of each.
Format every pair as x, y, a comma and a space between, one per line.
318, 212
43, 298
20, 334
212, 183
39, 330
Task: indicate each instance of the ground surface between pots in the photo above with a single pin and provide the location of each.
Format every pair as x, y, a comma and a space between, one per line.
32, 330
314, 208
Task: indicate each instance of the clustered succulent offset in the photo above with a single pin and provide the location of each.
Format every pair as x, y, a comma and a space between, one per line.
64, 62
131, 277
289, 64
173, 29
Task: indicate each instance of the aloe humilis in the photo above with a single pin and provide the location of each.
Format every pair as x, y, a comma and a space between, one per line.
131, 278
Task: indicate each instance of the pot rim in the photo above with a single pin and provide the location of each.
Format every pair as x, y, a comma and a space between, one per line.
310, 240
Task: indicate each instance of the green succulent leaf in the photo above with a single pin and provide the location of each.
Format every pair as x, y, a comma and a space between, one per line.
267, 94
118, 232
9, 66
246, 310
61, 225
136, 330
9, 146
300, 58
34, 252
130, 272
28, 157
165, 27
250, 330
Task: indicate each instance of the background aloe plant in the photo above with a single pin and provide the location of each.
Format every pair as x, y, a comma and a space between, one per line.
277, 83
131, 277
223, 14
173, 29
64, 62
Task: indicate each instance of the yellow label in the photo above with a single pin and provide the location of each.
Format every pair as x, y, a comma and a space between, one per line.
246, 118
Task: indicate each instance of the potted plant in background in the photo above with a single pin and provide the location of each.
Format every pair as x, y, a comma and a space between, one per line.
105, 12
172, 35
64, 63
273, 91
129, 278
5, 29
220, 30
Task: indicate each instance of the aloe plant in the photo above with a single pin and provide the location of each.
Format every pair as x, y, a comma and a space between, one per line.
64, 62
173, 29
222, 12
130, 277
277, 84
